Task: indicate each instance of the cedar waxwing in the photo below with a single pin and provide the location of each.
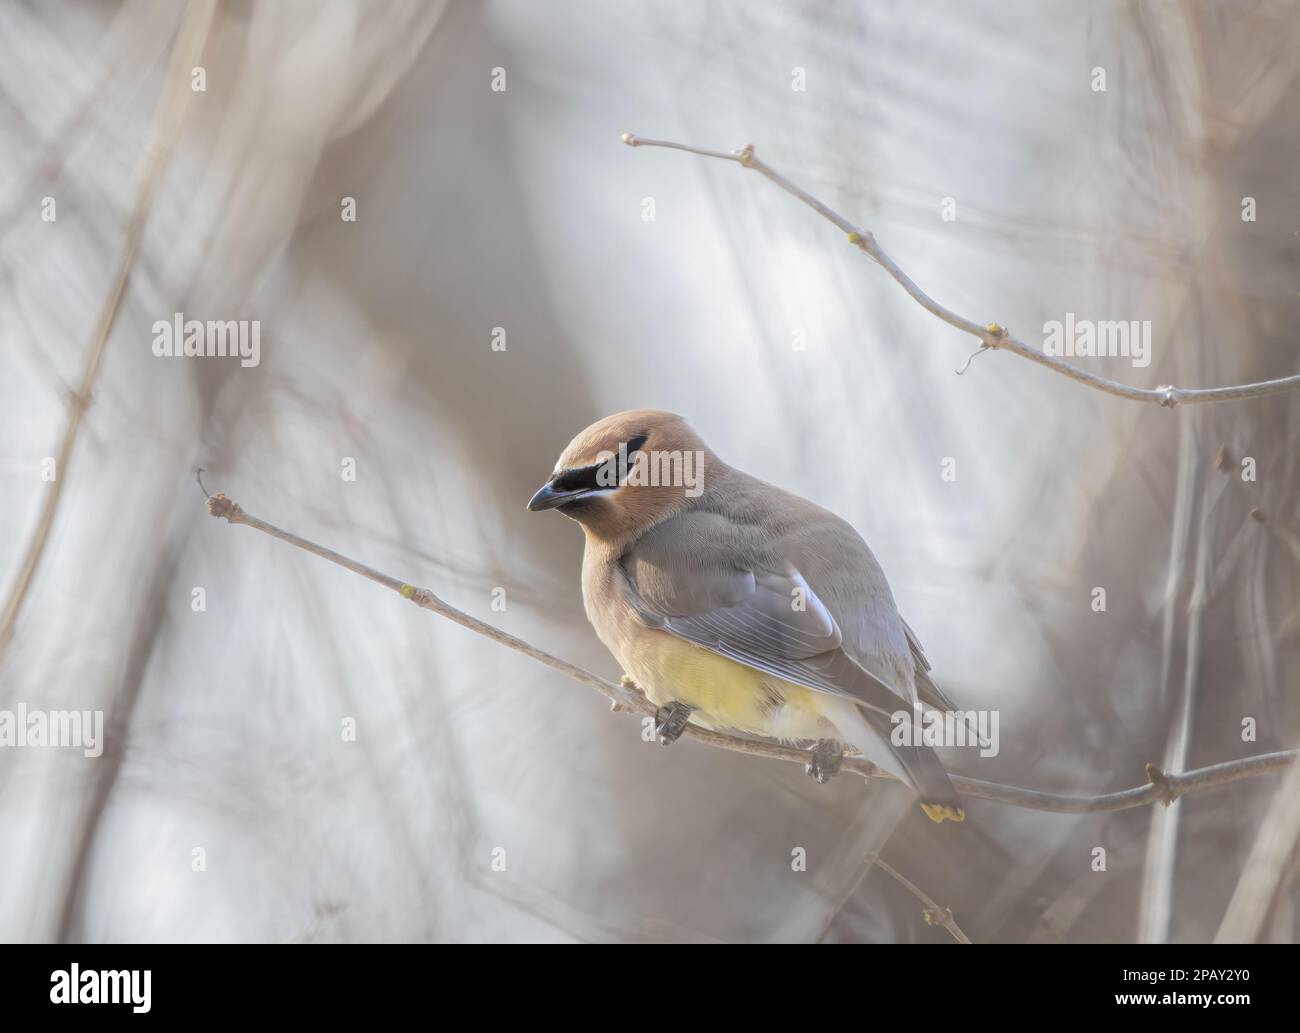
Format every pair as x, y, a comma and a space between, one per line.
736, 605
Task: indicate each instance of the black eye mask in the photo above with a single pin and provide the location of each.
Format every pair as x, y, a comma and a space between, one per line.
587, 478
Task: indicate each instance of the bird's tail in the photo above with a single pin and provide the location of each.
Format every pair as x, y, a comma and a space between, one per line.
918, 764
922, 769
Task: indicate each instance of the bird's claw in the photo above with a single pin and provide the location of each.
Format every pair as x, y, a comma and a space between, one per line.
827, 758
670, 721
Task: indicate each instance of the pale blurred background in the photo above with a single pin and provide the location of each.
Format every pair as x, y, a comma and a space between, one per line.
520, 209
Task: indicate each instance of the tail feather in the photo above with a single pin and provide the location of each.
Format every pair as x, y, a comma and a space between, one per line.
926, 773
871, 732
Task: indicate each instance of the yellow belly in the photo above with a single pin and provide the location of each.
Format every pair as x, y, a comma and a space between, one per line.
726, 694
729, 695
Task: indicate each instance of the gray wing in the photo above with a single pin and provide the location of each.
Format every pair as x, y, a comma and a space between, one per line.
766, 617
926, 688
699, 578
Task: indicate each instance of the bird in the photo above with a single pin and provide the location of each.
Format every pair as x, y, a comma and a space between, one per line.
736, 605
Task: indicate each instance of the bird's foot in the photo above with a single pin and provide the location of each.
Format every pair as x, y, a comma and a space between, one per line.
670, 721
827, 757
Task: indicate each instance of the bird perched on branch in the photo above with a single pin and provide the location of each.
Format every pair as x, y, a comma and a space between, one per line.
736, 605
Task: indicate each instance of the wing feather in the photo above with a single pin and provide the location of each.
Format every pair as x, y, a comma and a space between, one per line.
770, 620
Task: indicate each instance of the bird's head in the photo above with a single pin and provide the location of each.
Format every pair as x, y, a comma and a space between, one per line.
627, 472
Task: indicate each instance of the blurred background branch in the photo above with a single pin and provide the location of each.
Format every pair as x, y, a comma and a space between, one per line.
190, 41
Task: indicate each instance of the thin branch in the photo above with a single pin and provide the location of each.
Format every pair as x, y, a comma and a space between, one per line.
1161, 787
990, 335
933, 913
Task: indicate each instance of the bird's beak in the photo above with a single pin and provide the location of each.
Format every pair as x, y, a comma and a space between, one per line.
548, 498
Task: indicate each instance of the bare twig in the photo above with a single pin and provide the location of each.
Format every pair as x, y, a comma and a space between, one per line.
990, 335
1162, 787
933, 913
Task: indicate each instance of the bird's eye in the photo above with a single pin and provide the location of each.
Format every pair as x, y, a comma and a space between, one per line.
634, 443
